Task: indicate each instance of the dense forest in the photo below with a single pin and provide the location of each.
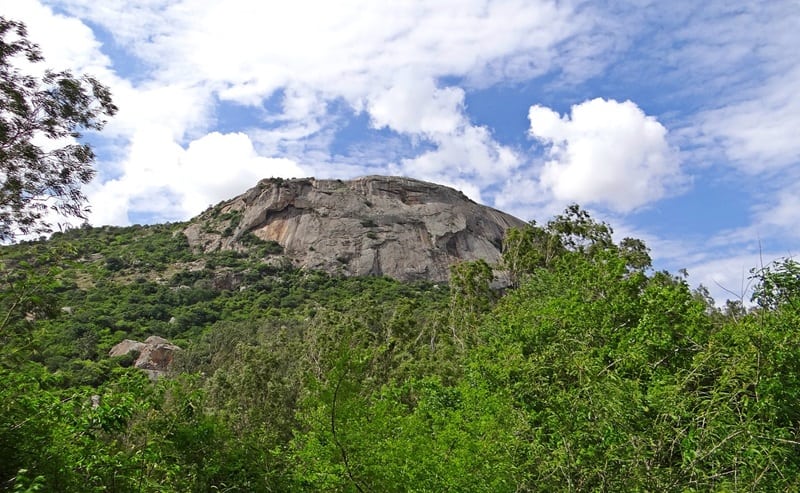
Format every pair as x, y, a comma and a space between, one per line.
590, 372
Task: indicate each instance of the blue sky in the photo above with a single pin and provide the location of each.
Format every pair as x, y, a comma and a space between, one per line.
676, 121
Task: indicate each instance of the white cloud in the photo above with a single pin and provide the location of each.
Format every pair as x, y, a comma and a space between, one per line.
469, 154
742, 59
760, 133
523, 196
465, 156
607, 153
220, 166
341, 47
82, 53
783, 214
417, 106
177, 111
773, 219
163, 180
728, 278
386, 59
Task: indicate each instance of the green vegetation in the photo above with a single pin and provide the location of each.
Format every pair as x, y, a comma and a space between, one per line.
591, 373
39, 115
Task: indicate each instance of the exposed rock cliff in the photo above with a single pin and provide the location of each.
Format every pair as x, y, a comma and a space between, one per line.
399, 227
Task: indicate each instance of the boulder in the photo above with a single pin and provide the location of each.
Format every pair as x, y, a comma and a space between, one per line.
155, 354
125, 347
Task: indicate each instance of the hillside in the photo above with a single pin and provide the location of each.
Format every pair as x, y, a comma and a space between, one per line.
590, 372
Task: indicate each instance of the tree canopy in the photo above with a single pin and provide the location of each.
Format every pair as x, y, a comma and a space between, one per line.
592, 372
42, 162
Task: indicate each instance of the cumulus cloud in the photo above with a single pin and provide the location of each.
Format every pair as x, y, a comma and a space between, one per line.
163, 180
418, 106
347, 50
176, 110
50, 30
470, 153
605, 152
388, 60
464, 155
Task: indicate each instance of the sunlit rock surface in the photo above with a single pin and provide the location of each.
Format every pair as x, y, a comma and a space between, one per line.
376, 225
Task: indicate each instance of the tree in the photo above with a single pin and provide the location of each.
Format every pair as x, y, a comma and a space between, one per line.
579, 232
538, 247
778, 285
37, 115
529, 248
471, 297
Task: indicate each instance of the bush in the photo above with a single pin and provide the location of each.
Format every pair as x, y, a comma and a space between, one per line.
114, 264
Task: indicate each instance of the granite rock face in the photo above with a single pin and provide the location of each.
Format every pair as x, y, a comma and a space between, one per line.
155, 354
376, 225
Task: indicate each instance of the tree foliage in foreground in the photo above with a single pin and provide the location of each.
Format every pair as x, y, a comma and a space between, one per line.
594, 373
42, 164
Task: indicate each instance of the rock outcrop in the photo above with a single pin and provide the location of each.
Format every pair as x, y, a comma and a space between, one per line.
399, 227
155, 354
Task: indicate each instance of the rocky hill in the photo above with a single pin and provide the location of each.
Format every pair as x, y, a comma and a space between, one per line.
376, 225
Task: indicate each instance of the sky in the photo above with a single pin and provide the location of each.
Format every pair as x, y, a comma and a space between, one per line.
675, 122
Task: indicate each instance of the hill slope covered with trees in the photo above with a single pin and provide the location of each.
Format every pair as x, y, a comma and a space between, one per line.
591, 373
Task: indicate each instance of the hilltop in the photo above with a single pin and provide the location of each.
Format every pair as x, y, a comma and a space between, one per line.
376, 225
